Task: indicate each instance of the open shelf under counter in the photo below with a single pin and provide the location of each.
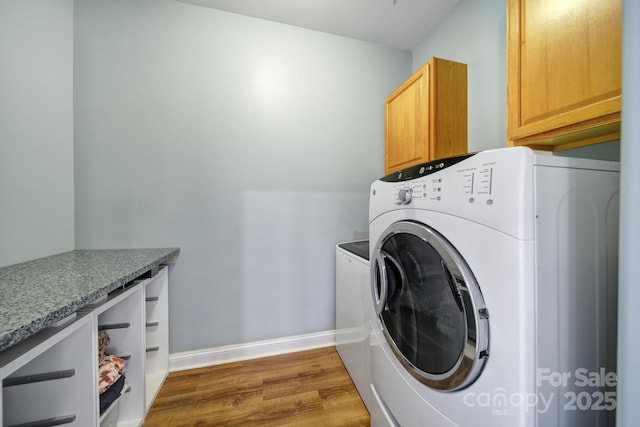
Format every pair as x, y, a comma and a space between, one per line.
50, 373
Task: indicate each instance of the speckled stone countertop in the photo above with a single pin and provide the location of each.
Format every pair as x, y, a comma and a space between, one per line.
37, 293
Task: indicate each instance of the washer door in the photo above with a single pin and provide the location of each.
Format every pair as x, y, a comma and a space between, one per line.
430, 306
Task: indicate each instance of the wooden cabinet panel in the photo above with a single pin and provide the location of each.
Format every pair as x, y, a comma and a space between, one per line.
564, 72
426, 117
407, 123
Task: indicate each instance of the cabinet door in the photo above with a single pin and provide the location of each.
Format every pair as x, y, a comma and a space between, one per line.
426, 117
564, 72
407, 123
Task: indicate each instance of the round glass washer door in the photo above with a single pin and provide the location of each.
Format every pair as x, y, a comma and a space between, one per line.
430, 306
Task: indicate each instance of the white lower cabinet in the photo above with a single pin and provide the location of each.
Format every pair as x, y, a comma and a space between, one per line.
51, 378
54, 381
156, 334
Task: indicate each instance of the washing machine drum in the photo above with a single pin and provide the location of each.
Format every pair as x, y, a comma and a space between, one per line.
430, 306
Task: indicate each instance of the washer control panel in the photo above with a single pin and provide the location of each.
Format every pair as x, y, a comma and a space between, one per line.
492, 187
436, 182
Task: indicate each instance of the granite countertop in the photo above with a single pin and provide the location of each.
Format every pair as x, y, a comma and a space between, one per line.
38, 293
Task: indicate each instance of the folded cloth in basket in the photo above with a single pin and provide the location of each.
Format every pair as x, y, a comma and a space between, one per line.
103, 343
111, 394
110, 369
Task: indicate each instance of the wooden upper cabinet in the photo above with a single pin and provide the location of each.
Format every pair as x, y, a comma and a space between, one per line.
564, 72
426, 117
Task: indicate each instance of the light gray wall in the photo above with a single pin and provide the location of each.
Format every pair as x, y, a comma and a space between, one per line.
36, 129
474, 33
250, 145
629, 291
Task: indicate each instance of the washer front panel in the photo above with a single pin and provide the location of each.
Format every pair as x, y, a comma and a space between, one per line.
430, 306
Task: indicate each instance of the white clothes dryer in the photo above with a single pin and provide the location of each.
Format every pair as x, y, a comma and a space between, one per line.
352, 313
494, 283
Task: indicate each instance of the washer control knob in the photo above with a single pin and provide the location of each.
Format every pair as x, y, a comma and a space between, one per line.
404, 195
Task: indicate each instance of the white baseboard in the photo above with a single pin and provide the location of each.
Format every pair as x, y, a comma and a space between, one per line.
252, 350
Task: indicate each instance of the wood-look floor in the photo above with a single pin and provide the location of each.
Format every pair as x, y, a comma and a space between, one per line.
308, 388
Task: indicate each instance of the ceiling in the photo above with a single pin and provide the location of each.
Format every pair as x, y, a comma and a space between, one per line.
395, 23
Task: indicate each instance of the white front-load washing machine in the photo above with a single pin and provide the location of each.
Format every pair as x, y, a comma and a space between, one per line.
494, 283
